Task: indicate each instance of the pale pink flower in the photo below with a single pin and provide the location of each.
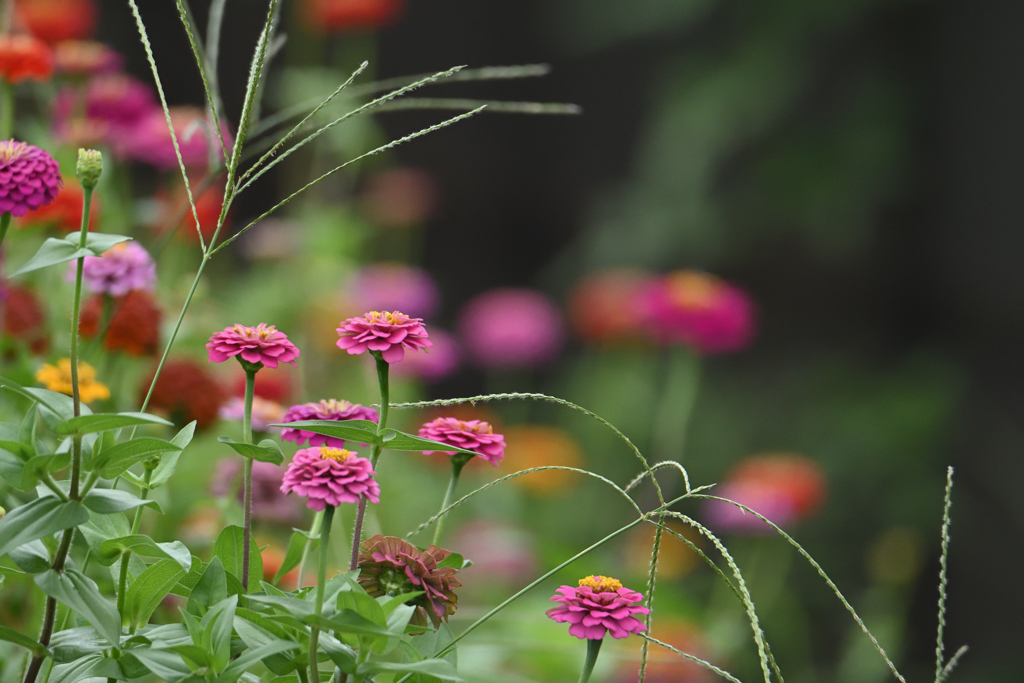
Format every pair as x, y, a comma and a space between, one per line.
390, 333
471, 435
124, 268
261, 344
505, 329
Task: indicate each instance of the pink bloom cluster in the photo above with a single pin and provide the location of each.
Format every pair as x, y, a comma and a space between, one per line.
261, 344
123, 268
511, 328
471, 435
29, 178
394, 286
330, 476
598, 606
330, 409
391, 333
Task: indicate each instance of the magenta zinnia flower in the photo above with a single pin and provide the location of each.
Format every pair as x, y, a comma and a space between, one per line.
331, 409
511, 328
394, 286
598, 606
702, 311
123, 268
149, 140
472, 435
330, 476
390, 333
392, 566
29, 178
260, 344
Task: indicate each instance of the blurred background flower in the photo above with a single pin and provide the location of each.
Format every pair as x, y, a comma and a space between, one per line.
507, 329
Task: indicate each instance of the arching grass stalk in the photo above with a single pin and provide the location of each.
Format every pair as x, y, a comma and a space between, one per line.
250, 387
385, 401
90, 166
459, 461
321, 584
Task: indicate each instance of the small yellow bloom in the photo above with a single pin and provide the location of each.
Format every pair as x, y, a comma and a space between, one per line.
58, 378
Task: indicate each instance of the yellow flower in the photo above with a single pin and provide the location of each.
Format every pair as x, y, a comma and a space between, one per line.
58, 378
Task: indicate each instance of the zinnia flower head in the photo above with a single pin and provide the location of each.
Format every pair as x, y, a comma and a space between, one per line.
264, 412
58, 20
329, 409
504, 329
125, 267
473, 435
350, 15
394, 287
134, 327
603, 307
186, 391
441, 363
120, 101
391, 333
392, 566
149, 141
785, 488
261, 344
58, 378
24, 318
330, 476
598, 606
85, 58
29, 177
268, 501
24, 58
65, 212
699, 310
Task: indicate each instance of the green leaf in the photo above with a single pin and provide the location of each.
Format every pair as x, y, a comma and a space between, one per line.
238, 667
50, 462
98, 242
102, 422
296, 548
12, 469
144, 546
149, 588
109, 501
400, 441
33, 557
217, 626
116, 460
168, 463
41, 517
454, 560
10, 440
55, 408
80, 593
165, 665
211, 588
362, 431
389, 603
265, 451
228, 548
341, 654
18, 638
438, 668
75, 643
257, 631
363, 605
52, 252
92, 666
348, 622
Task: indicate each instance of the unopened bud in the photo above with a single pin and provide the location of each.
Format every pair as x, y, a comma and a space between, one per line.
90, 167
2, 512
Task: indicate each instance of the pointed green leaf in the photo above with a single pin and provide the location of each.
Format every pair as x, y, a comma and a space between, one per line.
75, 643
101, 422
97, 242
362, 431
55, 408
400, 441
94, 666
266, 451
12, 636
348, 622
228, 548
211, 588
168, 463
438, 668
148, 589
52, 252
217, 626
39, 518
144, 546
116, 460
32, 557
293, 557
109, 501
165, 665
80, 593
238, 667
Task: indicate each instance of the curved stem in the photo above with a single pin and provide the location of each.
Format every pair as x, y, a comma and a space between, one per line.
593, 648
250, 385
321, 584
458, 462
382, 381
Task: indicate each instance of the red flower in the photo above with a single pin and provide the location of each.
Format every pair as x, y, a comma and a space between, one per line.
65, 212
187, 391
134, 327
24, 318
57, 20
350, 15
24, 58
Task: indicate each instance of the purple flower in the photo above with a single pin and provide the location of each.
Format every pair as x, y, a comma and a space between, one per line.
268, 502
29, 178
394, 287
598, 606
471, 435
123, 268
261, 344
330, 409
390, 333
511, 328
330, 476
439, 363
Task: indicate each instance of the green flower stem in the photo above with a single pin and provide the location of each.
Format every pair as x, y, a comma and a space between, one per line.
385, 393
314, 531
458, 462
122, 585
321, 585
6, 109
593, 648
5, 223
250, 385
147, 475
76, 451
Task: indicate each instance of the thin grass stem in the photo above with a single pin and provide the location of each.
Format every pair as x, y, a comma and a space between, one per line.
943, 579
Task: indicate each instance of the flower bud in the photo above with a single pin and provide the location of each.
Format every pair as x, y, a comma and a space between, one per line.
89, 168
2, 512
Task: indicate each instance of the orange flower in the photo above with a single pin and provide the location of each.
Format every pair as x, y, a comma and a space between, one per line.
24, 58
603, 307
350, 15
208, 206
537, 445
799, 477
186, 391
273, 558
57, 20
84, 58
65, 212
134, 327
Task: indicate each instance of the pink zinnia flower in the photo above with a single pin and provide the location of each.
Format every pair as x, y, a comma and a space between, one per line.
330, 409
330, 476
29, 178
261, 344
394, 287
701, 311
442, 361
389, 333
123, 268
264, 412
598, 606
150, 142
472, 435
511, 328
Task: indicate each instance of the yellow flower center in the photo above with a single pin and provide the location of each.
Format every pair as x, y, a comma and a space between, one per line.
601, 584
10, 149
336, 454
690, 289
333, 405
390, 317
254, 332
